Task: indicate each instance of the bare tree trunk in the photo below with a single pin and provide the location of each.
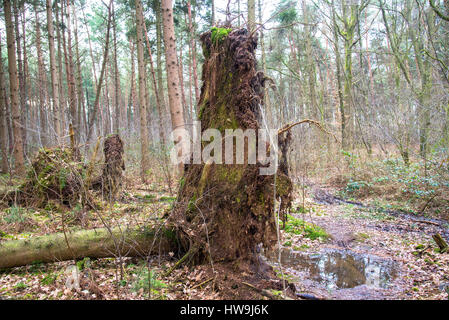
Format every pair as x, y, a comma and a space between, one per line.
81, 115
3, 114
134, 111
193, 46
14, 90
42, 83
96, 106
117, 114
62, 100
251, 15
157, 92
213, 12
144, 164
159, 36
181, 83
171, 63
57, 116
68, 58
20, 70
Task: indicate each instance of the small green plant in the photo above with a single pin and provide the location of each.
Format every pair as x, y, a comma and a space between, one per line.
49, 279
299, 226
288, 243
20, 286
218, 34
145, 279
15, 215
353, 186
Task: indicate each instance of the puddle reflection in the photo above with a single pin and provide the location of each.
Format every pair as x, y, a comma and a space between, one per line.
339, 269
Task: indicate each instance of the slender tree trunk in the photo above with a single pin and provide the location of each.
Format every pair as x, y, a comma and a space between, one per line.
4, 166
144, 164
79, 81
134, 111
157, 92
193, 46
68, 58
338, 76
159, 36
14, 90
20, 70
251, 15
96, 106
171, 63
42, 83
57, 116
212, 22
117, 114
26, 111
181, 83
62, 100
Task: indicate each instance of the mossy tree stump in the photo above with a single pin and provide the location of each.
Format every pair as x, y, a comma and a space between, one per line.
224, 211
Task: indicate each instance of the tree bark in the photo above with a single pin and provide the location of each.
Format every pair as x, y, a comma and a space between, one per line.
144, 162
42, 87
193, 48
251, 15
4, 166
171, 63
96, 243
57, 114
157, 92
117, 115
14, 91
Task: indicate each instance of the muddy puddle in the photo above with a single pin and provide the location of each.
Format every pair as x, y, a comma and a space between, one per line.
334, 269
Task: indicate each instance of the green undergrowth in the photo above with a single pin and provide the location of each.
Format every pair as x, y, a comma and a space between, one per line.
354, 212
300, 227
148, 279
419, 186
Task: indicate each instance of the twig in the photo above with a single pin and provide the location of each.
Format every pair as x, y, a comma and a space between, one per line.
189, 253
203, 283
266, 293
309, 121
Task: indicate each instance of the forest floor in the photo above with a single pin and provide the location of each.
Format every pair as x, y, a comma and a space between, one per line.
330, 249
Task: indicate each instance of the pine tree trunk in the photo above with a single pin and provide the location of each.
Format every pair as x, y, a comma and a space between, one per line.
157, 92
14, 91
117, 114
144, 164
3, 114
171, 63
251, 15
54, 73
62, 100
42, 87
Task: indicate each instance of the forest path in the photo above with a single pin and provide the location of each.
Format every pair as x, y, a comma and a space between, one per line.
371, 253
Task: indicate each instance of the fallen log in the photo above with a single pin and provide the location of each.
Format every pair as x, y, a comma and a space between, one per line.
95, 243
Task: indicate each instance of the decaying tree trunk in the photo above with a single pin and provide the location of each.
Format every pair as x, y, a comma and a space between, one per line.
224, 210
96, 243
111, 179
